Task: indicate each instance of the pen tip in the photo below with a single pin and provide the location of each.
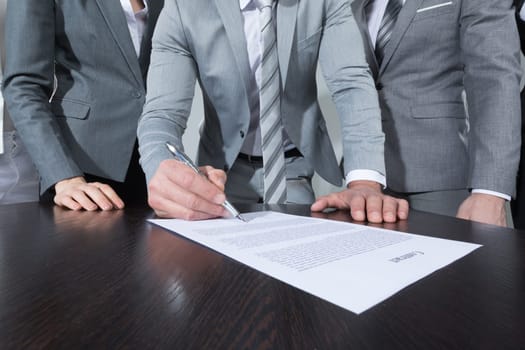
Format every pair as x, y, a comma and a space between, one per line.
241, 218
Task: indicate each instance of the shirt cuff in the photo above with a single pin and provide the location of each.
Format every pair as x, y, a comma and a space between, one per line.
522, 13
367, 175
492, 193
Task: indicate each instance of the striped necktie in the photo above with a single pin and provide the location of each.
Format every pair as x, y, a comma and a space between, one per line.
270, 110
387, 25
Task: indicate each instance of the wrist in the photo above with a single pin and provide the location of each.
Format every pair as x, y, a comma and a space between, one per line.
364, 183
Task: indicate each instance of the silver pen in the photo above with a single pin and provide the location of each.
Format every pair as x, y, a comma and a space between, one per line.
182, 157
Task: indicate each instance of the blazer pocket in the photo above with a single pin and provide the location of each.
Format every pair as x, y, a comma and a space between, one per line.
440, 8
439, 110
314, 38
63, 107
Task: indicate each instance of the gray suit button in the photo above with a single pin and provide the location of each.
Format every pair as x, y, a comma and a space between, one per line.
136, 94
379, 86
225, 167
242, 134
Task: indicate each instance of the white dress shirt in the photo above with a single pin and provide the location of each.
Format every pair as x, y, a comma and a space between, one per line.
252, 141
136, 22
522, 13
375, 12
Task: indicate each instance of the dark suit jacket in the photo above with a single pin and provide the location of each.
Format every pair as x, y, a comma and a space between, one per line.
89, 125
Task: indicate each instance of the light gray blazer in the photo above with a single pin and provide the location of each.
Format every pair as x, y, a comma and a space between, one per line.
90, 124
438, 49
204, 40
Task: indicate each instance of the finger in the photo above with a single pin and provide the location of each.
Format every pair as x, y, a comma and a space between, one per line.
390, 209
111, 195
357, 208
374, 208
85, 202
98, 197
192, 182
171, 209
329, 201
165, 194
402, 209
67, 202
319, 205
193, 201
215, 176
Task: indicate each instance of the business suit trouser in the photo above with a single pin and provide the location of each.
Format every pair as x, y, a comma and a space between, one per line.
245, 182
18, 176
437, 202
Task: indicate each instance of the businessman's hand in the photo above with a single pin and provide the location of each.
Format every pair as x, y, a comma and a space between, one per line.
176, 191
483, 208
77, 194
366, 202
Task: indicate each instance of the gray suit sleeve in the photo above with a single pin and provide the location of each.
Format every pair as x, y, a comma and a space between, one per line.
490, 52
352, 88
28, 85
171, 85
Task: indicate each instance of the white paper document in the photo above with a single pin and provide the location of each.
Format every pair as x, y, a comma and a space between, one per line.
350, 265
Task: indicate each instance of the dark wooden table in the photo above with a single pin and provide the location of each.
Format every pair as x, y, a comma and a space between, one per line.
106, 280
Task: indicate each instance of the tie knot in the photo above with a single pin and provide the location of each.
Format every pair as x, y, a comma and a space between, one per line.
265, 3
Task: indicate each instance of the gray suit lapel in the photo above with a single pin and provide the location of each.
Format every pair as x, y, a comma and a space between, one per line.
404, 19
231, 16
358, 8
114, 16
286, 18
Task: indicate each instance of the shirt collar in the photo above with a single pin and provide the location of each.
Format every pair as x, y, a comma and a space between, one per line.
126, 4
244, 4
144, 12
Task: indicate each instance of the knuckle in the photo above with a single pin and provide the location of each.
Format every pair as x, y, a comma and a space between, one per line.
186, 179
154, 203
154, 187
192, 201
104, 187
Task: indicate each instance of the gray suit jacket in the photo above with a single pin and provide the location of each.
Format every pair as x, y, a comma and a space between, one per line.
90, 124
438, 49
204, 40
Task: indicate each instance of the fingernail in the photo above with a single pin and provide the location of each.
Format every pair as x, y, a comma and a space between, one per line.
359, 215
389, 217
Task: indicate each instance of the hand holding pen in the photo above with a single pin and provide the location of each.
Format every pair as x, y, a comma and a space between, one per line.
176, 190
182, 157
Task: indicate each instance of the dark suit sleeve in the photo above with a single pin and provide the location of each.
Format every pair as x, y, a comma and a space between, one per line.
28, 86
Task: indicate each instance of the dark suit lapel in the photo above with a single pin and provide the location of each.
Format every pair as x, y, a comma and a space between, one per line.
358, 8
154, 8
230, 13
286, 19
114, 16
404, 19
